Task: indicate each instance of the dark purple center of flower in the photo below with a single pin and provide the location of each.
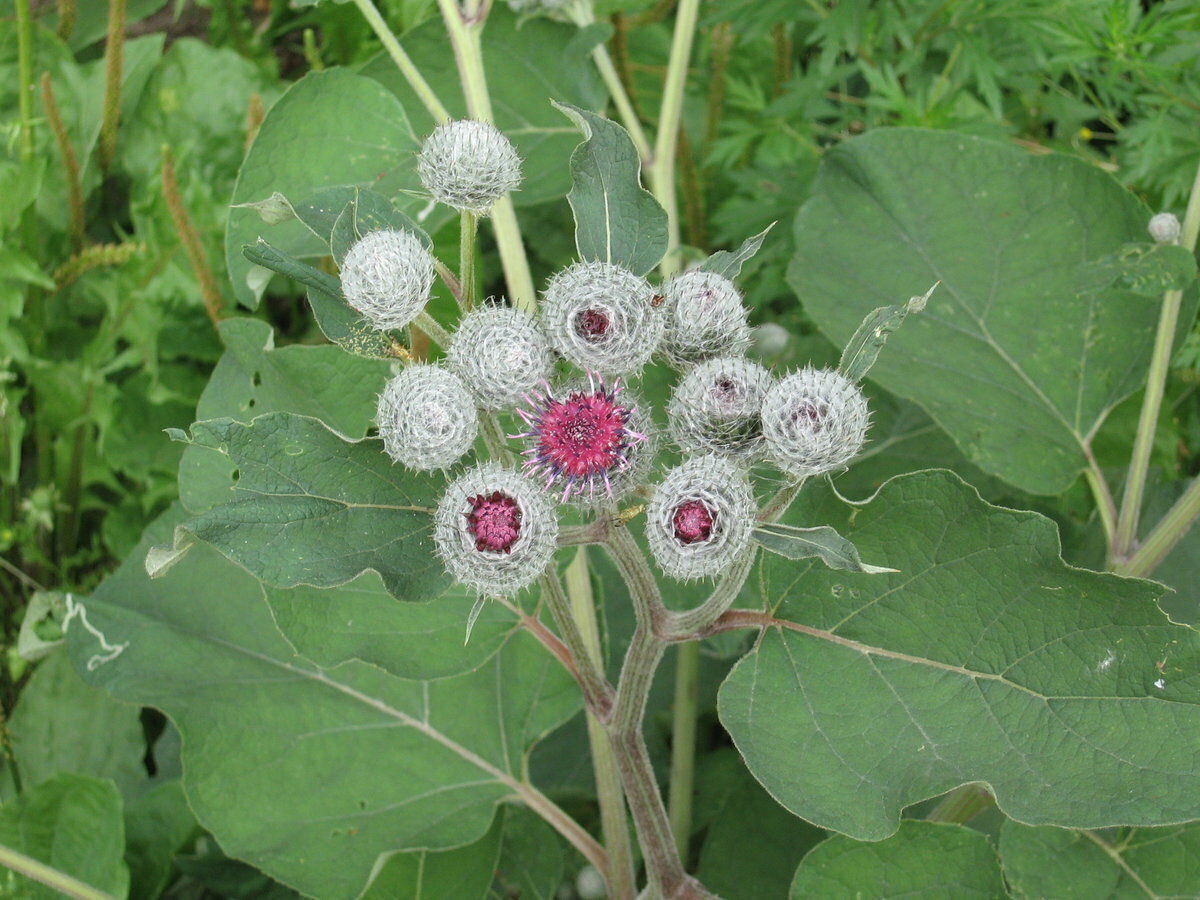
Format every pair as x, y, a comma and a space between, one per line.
591, 325
494, 521
693, 522
810, 415
725, 390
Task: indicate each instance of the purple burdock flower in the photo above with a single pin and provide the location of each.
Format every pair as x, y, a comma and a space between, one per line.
693, 522
494, 521
582, 435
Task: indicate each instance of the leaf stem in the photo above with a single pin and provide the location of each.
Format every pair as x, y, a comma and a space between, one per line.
465, 37
114, 57
48, 875
433, 328
622, 881
1160, 360
575, 834
411, 73
670, 114
25, 77
468, 225
597, 692
779, 503
962, 804
683, 744
1165, 535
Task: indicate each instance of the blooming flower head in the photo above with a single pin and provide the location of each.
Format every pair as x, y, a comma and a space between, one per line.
501, 354
585, 435
716, 408
814, 421
602, 318
427, 418
700, 518
495, 531
468, 165
386, 276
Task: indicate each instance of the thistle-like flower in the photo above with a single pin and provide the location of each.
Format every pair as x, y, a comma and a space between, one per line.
700, 518
1164, 227
602, 318
584, 435
387, 276
494, 530
706, 318
716, 408
468, 165
501, 354
814, 421
427, 418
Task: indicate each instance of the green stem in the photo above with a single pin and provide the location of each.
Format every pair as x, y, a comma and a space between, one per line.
465, 37
468, 225
47, 875
114, 56
1160, 360
411, 73
1165, 535
779, 503
597, 692
25, 77
670, 114
683, 743
962, 804
622, 881
431, 327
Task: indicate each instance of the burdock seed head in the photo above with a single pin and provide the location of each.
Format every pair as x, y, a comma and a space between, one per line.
602, 318
700, 518
1164, 228
427, 418
585, 436
386, 276
495, 531
716, 408
468, 165
501, 355
706, 318
814, 421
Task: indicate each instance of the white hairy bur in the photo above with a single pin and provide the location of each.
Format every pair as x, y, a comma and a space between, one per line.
700, 518
716, 408
427, 418
501, 355
814, 421
706, 318
468, 165
386, 276
495, 531
602, 318
1164, 228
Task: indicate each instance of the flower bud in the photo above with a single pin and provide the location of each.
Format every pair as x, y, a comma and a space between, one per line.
495, 531
586, 435
501, 355
468, 165
1164, 228
602, 318
387, 276
427, 418
814, 421
716, 408
700, 518
706, 318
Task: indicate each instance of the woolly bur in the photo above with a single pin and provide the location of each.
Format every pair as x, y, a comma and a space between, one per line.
706, 318
468, 165
495, 531
700, 518
427, 418
715, 408
387, 276
500, 354
814, 421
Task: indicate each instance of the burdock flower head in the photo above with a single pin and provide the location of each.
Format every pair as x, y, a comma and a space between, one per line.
501, 355
814, 421
700, 518
585, 435
386, 276
707, 318
602, 318
427, 418
494, 530
468, 165
716, 408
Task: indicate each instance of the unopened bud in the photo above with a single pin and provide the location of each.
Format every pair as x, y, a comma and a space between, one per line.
1164, 228
814, 421
387, 276
427, 418
468, 165
706, 318
501, 355
716, 408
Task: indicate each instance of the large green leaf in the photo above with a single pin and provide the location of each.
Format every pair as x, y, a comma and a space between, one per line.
72, 823
616, 219
1020, 352
985, 658
528, 64
464, 873
254, 377
307, 142
157, 826
923, 861
1125, 864
314, 774
306, 506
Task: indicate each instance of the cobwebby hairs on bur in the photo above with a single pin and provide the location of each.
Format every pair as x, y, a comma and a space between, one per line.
426, 417
814, 421
501, 355
387, 276
468, 165
716, 407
